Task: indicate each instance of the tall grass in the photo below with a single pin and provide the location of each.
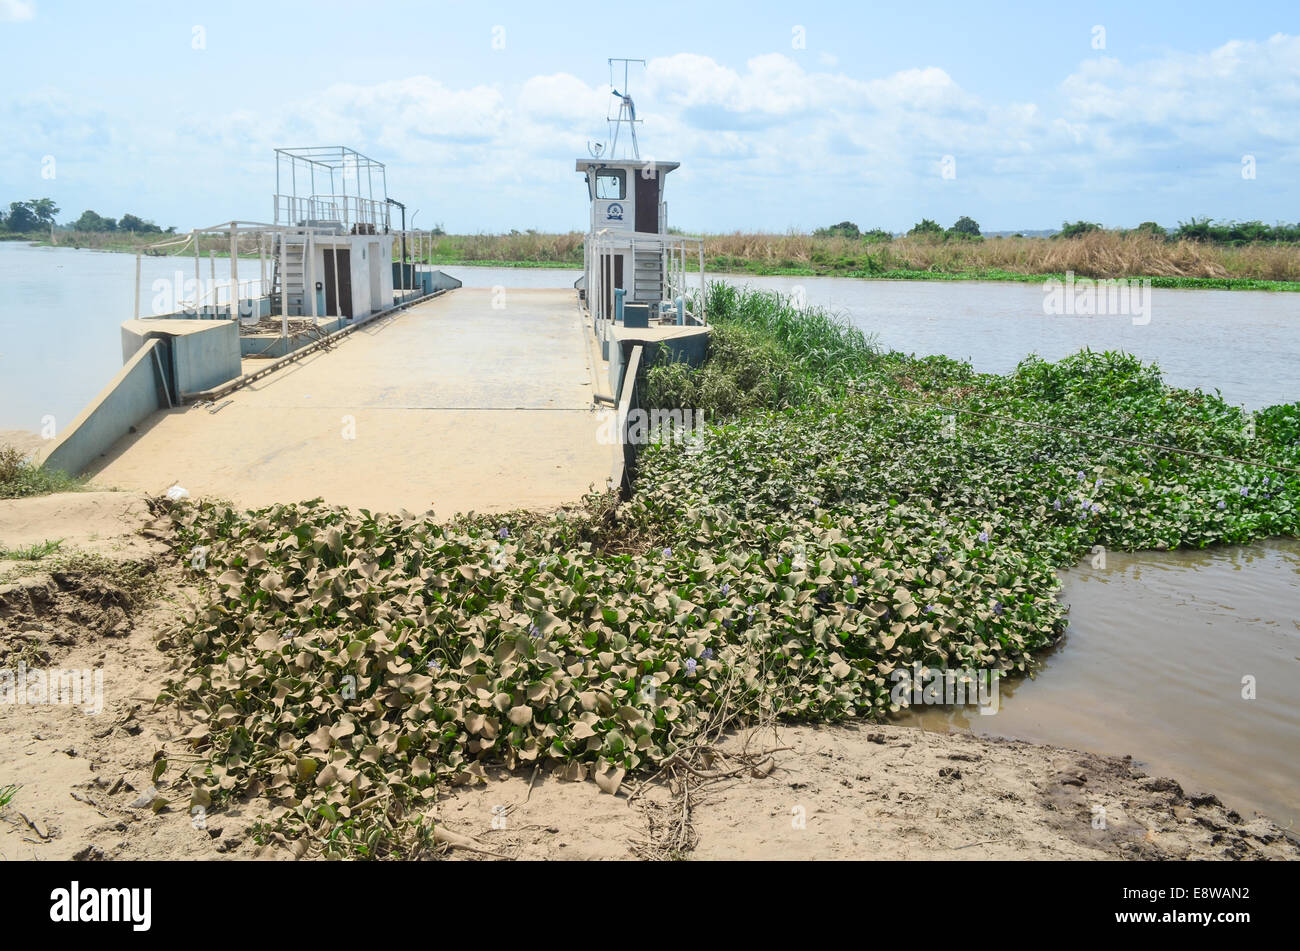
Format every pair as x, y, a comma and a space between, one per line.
1098, 254
19, 477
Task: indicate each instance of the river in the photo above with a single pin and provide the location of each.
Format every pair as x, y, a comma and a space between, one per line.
1158, 644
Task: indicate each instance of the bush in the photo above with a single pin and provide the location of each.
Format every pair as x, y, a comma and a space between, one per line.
19, 478
1076, 228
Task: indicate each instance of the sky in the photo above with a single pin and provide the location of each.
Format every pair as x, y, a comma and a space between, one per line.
783, 115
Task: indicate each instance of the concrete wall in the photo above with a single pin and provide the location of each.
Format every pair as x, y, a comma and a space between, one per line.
136, 391
203, 353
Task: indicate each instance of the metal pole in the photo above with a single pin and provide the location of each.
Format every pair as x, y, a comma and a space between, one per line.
136, 313
700, 317
311, 275
261, 253
338, 304
198, 279
234, 272
284, 287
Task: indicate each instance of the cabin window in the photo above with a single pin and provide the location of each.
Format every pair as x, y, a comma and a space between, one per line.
611, 184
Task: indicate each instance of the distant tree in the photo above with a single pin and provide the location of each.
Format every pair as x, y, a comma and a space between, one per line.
21, 218
845, 229
92, 221
44, 209
877, 234
1074, 229
1152, 229
134, 224
926, 228
966, 227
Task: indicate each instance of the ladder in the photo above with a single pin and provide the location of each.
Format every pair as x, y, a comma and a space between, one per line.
647, 276
292, 282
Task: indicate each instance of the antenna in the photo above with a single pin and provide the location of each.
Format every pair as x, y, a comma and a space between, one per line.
595, 148
626, 108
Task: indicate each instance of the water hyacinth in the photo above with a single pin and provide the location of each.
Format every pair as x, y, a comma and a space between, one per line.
544, 666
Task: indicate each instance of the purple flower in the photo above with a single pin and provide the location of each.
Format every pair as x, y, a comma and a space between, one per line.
1080, 475
984, 536
853, 580
668, 552
707, 653
1095, 508
1056, 505
691, 664
750, 613
998, 608
503, 533
434, 666
1097, 484
1244, 491
726, 590
1221, 506
1266, 480
533, 631
929, 609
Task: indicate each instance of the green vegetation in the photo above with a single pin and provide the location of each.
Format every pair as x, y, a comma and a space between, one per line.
24, 217
26, 220
964, 227
19, 477
926, 228
1073, 229
851, 513
33, 552
7, 794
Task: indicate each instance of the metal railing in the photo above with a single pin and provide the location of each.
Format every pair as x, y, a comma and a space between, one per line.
365, 215
673, 251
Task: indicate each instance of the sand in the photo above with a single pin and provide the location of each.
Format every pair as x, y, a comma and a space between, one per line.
828, 792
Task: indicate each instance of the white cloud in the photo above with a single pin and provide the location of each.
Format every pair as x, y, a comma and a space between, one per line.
16, 11
809, 142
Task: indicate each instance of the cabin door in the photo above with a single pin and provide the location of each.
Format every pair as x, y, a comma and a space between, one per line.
611, 276
647, 204
344, 282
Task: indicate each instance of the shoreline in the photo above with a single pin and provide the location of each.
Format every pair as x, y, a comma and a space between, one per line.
744, 268
851, 790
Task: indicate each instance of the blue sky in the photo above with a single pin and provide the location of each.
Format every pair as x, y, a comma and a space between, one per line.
783, 115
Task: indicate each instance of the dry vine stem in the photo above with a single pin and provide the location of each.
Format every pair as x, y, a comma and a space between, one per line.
689, 772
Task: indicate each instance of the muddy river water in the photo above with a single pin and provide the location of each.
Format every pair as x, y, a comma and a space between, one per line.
1161, 647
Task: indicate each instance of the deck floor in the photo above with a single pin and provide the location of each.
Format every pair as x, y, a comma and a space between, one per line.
452, 405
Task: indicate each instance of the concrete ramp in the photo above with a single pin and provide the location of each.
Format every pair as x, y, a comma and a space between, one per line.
452, 405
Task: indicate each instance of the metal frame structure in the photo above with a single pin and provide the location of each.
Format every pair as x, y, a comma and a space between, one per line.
349, 203
273, 244
673, 251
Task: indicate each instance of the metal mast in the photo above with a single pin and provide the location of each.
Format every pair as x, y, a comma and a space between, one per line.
626, 109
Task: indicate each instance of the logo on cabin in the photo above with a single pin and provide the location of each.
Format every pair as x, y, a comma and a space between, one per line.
614, 212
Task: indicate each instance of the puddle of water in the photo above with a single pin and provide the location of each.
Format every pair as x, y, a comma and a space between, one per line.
1152, 665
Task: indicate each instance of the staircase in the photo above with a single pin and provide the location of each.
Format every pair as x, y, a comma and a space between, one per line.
648, 277
292, 281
